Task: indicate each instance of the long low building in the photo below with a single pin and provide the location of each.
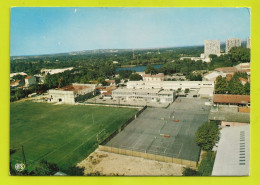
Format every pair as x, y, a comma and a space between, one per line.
68, 94
170, 85
233, 157
153, 95
230, 99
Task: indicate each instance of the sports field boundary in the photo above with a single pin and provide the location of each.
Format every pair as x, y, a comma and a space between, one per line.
148, 156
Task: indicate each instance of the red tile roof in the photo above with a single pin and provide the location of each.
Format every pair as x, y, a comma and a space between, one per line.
98, 88
154, 76
110, 81
28, 77
13, 83
111, 88
107, 93
227, 69
74, 88
228, 98
242, 79
229, 75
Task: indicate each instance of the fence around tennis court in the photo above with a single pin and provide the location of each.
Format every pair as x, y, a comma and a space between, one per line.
147, 156
131, 152
123, 126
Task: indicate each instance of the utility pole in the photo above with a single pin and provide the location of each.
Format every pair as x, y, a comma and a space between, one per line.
24, 159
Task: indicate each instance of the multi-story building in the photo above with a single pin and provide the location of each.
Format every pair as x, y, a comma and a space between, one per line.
230, 43
151, 95
170, 85
70, 94
248, 42
211, 47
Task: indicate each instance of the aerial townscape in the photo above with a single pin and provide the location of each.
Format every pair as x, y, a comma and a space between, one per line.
160, 111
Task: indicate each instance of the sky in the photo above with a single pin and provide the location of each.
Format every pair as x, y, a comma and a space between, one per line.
36, 31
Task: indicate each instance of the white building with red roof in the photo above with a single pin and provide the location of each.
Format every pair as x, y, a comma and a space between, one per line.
69, 93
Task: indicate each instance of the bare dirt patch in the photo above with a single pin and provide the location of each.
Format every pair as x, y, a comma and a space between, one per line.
111, 164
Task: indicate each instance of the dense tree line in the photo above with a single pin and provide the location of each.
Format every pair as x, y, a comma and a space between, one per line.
33, 65
233, 86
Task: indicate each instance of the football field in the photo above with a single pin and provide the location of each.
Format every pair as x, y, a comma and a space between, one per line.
62, 134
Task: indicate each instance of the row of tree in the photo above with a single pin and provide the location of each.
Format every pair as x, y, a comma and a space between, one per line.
232, 86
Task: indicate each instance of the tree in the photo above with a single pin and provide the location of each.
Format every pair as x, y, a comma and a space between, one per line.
235, 86
46, 168
190, 172
117, 80
125, 73
221, 86
102, 81
186, 90
75, 171
247, 88
207, 135
150, 69
239, 55
135, 77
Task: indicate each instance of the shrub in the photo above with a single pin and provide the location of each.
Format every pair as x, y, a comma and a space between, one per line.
190, 172
206, 165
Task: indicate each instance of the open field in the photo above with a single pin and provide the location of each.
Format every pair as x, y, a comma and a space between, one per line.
146, 133
111, 164
63, 134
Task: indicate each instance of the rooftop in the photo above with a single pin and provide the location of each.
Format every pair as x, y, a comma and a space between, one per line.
74, 88
111, 88
226, 115
233, 155
138, 90
27, 77
211, 75
227, 69
110, 81
206, 90
242, 79
154, 76
229, 98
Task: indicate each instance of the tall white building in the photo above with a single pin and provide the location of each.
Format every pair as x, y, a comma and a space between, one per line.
230, 43
211, 47
248, 42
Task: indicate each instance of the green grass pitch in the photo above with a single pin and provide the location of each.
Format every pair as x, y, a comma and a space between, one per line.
63, 134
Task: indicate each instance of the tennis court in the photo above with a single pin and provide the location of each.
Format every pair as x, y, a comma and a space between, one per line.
166, 132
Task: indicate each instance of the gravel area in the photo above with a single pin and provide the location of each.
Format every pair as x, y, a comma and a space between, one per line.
111, 164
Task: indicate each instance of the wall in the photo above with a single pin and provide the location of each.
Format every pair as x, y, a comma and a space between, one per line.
169, 85
244, 109
232, 124
122, 127
66, 96
148, 156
